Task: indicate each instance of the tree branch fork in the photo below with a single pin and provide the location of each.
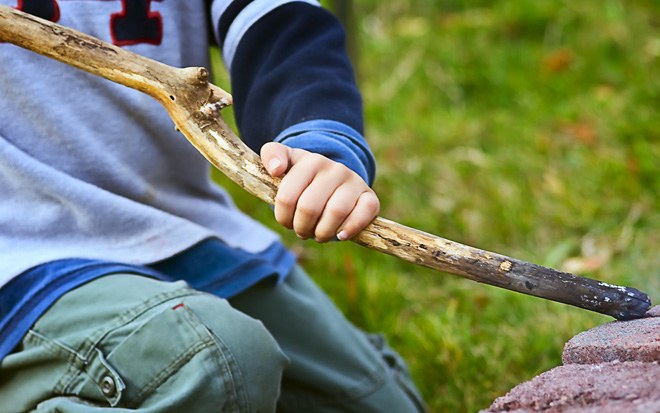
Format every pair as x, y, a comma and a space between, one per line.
195, 105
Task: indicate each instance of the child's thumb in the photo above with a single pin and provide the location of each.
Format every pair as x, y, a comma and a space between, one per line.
275, 158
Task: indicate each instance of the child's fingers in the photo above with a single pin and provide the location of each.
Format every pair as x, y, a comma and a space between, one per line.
302, 173
276, 158
366, 209
291, 188
337, 209
314, 199
318, 197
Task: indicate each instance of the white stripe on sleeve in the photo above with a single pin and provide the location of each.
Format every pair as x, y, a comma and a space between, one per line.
218, 8
245, 19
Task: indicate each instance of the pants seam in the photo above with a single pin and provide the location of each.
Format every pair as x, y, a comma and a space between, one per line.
35, 337
234, 372
171, 369
225, 357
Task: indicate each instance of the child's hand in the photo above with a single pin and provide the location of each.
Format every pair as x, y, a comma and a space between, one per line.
318, 197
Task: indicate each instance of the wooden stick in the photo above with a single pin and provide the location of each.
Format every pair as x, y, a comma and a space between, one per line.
194, 105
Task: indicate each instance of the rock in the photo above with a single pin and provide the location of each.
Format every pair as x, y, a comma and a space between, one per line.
634, 340
632, 387
609, 369
654, 312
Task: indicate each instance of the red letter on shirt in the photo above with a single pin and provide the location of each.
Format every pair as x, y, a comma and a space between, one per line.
136, 23
46, 9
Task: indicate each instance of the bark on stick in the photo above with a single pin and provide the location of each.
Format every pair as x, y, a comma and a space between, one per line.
194, 105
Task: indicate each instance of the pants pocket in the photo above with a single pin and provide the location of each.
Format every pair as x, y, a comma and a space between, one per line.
136, 359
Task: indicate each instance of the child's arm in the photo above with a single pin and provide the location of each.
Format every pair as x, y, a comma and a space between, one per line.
292, 81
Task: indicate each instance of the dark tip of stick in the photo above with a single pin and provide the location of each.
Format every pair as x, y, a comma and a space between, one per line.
634, 305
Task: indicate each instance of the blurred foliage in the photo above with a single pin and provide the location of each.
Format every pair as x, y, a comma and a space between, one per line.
523, 127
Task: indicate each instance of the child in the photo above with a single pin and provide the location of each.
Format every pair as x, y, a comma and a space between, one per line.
128, 279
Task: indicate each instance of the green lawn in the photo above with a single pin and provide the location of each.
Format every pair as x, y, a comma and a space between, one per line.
523, 127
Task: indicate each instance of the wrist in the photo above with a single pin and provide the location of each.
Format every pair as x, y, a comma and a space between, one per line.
336, 141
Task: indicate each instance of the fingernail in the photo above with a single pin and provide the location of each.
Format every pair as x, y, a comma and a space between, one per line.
273, 164
342, 236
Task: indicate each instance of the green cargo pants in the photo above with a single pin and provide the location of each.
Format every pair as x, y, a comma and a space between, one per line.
129, 343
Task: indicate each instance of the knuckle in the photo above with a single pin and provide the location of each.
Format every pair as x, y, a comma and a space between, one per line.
343, 172
337, 167
323, 236
307, 209
303, 231
302, 235
316, 157
338, 211
285, 201
311, 158
370, 203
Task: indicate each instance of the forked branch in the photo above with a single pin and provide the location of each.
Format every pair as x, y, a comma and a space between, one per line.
194, 105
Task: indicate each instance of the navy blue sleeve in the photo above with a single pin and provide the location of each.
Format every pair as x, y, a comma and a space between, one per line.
289, 70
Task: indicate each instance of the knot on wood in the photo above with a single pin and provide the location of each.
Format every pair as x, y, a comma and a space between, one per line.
505, 266
212, 109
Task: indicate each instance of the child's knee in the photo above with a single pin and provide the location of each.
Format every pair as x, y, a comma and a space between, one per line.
248, 349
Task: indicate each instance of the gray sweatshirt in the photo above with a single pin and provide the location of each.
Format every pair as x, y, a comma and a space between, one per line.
91, 169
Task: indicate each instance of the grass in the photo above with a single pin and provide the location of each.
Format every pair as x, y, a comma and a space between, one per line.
523, 127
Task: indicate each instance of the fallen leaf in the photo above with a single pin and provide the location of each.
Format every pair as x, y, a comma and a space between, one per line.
582, 132
557, 61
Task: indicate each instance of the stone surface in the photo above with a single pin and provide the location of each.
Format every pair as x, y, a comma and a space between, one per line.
635, 340
632, 387
612, 368
654, 312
